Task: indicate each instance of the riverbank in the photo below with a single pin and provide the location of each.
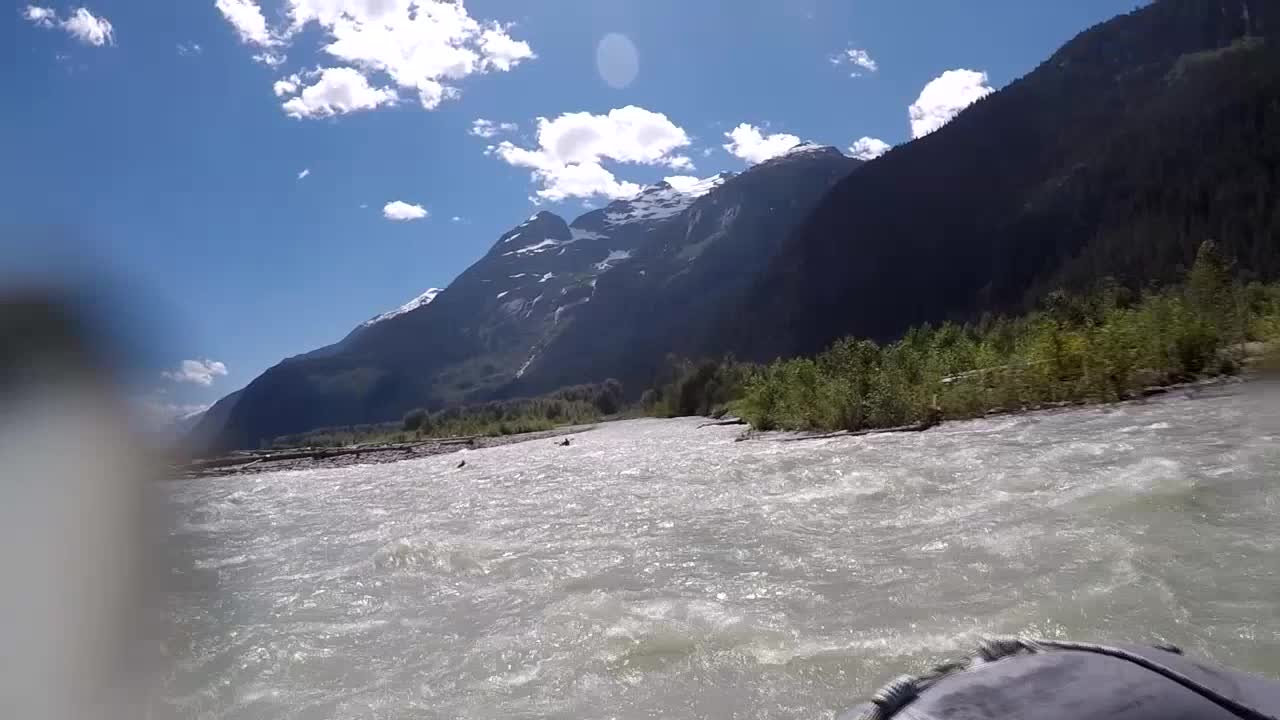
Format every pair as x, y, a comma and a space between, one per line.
1258, 369
253, 462
1107, 346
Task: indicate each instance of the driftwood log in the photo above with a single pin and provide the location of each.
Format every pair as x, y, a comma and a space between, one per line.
917, 427
720, 423
252, 458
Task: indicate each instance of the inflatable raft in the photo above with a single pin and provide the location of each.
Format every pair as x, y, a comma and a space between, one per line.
1035, 679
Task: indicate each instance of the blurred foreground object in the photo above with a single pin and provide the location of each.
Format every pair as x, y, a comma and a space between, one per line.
73, 523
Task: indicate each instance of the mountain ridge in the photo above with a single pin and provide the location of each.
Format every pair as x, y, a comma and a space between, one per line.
1116, 156
1039, 184
484, 336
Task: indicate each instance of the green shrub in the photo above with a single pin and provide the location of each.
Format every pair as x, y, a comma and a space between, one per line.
414, 419
1101, 346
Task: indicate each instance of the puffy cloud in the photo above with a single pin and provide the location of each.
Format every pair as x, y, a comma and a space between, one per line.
423, 46
456, 219
88, 29
200, 372
422, 51
329, 12
305, 172
488, 128
337, 91
748, 143
568, 161
681, 162
500, 52
944, 97
81, 24
41, 16
403, 211
189, 49
857, 58
582, 180
270, 58
869, 148
287, 86
247, 18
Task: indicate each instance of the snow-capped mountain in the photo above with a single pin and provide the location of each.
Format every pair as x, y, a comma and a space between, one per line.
423, 299
688, 271
551, 303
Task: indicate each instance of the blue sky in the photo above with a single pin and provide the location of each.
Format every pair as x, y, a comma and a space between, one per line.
145, 143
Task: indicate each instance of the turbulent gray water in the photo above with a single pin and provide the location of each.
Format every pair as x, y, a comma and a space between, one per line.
656, 570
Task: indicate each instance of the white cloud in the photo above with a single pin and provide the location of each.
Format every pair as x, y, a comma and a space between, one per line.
748, 143
572, 147
189, 49
247, 18
305, 172
500, 51
857, 58
488, 128
869, 148
422, 46
200, 372
41, 16
944, 97
270, 58
337, 91
681, 162
456, 219
88, 29
81, 24
400, 210
287, 86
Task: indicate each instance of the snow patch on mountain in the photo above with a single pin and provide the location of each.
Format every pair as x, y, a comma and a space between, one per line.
808, 147
693, 186
614, 257
661, 201
580, 234
543, 246
423, 299
532, 354
531, 305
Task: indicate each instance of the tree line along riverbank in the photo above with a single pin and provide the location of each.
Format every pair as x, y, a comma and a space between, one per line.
1106, 345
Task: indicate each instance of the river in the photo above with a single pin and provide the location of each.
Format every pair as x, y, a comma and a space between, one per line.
657, 570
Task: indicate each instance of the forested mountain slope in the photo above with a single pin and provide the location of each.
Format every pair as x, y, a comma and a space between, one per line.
1117, 156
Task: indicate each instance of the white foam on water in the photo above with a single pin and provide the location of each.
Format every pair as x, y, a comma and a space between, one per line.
655, 568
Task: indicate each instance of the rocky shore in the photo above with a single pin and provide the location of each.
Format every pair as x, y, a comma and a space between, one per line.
250, 462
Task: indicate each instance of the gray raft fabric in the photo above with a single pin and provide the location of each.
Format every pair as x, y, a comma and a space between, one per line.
1075, 685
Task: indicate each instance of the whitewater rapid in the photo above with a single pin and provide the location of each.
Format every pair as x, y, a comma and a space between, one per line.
654, 569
